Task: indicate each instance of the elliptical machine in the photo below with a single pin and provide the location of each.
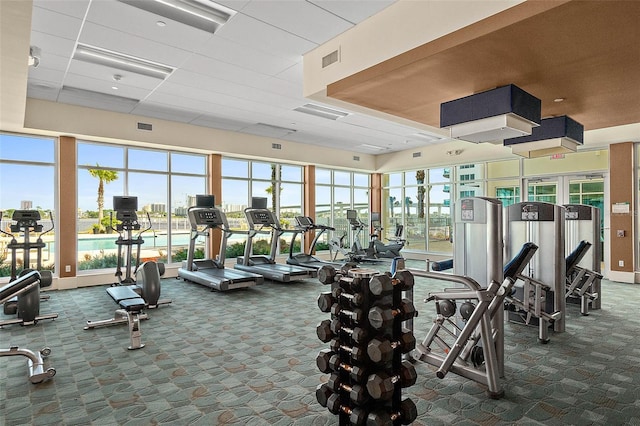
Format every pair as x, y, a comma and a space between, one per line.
143, 278
27, 304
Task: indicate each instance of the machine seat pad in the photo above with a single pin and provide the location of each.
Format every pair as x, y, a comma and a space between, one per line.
118, 294
442, 265
519, 261
577, 254
133, 305
9, 290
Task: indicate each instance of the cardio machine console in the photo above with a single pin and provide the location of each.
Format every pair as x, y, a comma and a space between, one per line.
261, 217
207, 216
26, 219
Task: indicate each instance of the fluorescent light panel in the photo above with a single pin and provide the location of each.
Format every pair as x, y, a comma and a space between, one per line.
201, 14
374, 147
494, 128
121, 61
321, 111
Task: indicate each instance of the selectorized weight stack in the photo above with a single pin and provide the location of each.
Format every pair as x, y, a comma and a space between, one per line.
367, 344
541, 299
583, 227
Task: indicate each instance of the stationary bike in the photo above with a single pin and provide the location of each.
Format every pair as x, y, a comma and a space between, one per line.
27, 304
380, 249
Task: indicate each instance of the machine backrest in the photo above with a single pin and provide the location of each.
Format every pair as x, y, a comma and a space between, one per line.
520, 260
577, 254
19, 286
442, 265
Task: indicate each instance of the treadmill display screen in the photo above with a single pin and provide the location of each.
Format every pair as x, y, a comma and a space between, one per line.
208, 217
261, 217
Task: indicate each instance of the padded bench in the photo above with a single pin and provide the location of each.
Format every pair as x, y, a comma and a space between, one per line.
127, 298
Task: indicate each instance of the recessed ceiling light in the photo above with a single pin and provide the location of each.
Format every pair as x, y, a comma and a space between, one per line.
114, 87
161, 24
99, 56
558, 100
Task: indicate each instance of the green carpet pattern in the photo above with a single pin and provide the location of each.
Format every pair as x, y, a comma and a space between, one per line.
247, 357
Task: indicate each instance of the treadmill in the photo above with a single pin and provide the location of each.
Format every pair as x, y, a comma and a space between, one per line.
306, 260
211, 272
262, 220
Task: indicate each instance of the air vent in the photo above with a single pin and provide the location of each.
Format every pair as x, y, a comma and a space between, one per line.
417, 154
356, 158
276, 146
331, 58
322, 111
145, 126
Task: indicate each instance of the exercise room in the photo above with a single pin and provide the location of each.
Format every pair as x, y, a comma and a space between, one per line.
309, 212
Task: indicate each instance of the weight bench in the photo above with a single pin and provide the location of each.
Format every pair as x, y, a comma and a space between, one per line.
24, 295
528, 300
130, 313
465, 355
580, 282
35, 364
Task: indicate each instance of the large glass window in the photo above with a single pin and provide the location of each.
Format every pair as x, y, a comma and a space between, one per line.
165, 184
336, 192
281, 184
27, 182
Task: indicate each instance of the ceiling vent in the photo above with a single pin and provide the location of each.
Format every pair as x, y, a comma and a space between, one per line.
204, 15
556, 135
322, 111
121, 61
268, 130
493, 115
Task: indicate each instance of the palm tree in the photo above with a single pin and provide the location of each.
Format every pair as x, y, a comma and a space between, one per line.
104, 176
276, 175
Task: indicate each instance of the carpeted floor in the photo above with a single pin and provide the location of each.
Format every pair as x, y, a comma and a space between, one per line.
247, 357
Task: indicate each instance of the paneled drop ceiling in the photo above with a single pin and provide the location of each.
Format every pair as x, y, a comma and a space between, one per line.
245, 77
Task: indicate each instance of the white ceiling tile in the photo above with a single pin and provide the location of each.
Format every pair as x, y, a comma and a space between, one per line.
197, 69
102, 74
219, 123
104, 86
236, 5
293, 73
43, 74
131, 20
164, 112
108, 38
354, 11
246, 57
74, 8
39, 90
57, 24
50, 44
259, 35
298, 17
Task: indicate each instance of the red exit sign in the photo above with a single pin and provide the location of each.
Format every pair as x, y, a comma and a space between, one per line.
557, 156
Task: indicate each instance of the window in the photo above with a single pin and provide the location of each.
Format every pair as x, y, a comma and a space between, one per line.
281, 184
336, 192
28, 182
165, 184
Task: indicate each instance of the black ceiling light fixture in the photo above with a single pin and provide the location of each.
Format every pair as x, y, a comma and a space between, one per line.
491, 116
556, 135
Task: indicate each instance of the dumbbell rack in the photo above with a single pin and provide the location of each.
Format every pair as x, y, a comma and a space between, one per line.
361, 390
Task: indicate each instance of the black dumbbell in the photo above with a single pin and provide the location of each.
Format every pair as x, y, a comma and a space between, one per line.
406, 415
324, 332
358, 334
379, 317
381, 284
382, 350
382, 385
328, 362
327, 274
355, 299
323, 392
357, 393
325, 301
357, 416
356, 315
356, 353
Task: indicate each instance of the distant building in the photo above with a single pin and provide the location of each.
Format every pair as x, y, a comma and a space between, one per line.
158, 208
180, 211
26, 205
191, 201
